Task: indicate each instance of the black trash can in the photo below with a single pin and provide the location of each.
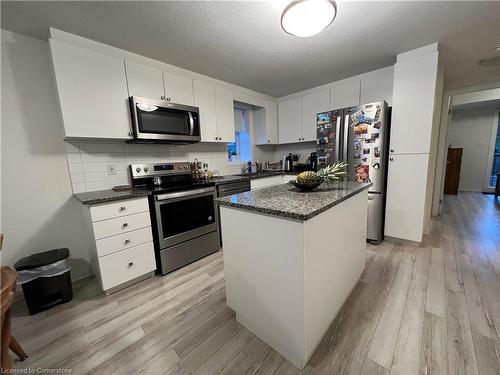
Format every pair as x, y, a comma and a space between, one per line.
45, 278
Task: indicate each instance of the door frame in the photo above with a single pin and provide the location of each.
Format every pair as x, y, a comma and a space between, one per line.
443, 142
489, 164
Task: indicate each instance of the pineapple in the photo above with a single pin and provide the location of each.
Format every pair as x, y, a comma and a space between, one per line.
328, 174
308, 177
332, 172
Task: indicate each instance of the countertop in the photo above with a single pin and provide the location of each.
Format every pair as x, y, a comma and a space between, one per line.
286, 201
251, 176
105, 196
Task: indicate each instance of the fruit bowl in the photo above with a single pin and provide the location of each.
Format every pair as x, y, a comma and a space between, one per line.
305, 187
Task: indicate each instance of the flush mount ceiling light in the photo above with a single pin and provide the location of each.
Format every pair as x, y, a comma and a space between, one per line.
492, 60
308, 17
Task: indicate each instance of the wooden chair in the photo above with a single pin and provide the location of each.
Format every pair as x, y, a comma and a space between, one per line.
8, 287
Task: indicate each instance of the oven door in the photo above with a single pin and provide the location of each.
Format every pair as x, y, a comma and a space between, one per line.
185, 215
158, 120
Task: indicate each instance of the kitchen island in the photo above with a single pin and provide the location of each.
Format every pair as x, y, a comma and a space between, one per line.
291, 258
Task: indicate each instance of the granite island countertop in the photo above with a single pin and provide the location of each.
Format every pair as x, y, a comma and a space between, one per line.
105, 196
287, 201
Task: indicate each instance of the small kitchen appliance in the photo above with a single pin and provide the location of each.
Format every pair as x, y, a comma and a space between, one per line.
184, 216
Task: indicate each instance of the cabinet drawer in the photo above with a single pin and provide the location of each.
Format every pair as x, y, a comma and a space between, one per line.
118, 209
127, 240
125, 265
119, 225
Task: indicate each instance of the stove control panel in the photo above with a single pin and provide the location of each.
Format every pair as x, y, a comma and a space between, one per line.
161, 169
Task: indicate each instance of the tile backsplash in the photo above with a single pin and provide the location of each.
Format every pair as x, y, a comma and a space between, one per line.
88, 163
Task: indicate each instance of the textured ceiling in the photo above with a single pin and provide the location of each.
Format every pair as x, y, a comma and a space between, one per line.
241, 42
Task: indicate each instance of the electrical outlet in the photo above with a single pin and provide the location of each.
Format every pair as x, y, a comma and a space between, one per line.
111, 169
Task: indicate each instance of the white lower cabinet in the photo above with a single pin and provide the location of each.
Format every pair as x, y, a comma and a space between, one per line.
263, 182
121, 250
126, 265
406, 193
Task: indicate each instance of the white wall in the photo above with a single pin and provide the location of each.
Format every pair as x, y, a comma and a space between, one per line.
471, 130
38, 212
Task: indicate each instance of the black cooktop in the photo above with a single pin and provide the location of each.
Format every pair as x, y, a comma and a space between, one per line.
173, 187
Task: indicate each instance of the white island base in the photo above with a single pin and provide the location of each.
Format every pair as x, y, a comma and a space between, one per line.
287, 279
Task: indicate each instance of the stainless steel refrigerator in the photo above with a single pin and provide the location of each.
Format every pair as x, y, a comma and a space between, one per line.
359, 136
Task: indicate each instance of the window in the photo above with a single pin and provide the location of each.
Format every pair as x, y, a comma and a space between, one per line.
241, 149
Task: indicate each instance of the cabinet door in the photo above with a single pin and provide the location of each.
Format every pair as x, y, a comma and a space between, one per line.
224, 108
377, 86
178, 89
204, 99
406, 190
345, 94
92, 90
290, 120
312, 104
266, 124
272, 122
144, 81
413, 104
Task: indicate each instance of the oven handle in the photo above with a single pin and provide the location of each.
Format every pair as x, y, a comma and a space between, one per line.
187, 193
191, 123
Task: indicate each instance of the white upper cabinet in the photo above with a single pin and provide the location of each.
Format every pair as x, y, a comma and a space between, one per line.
345, 93
178, 89
290, 120
144, 81
266, 124
377, 86
204, 99
406, 186
224, 110
92, 90
312, 104
413, 104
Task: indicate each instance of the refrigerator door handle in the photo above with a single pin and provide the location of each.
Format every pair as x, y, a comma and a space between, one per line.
337, 139
346, 138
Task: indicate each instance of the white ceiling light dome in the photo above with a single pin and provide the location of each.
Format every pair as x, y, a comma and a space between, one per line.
308, 17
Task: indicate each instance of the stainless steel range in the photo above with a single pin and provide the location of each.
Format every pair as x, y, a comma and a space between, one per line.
184, 216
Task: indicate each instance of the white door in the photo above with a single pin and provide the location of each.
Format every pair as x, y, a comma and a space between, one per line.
92, 90
144, 81
345, 93
290, 120
406, 190
178, 89
413, 104
312, 104
224, 108
377, 86
204, 99
493, 164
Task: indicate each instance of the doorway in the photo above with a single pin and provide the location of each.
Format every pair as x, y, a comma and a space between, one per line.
493, 166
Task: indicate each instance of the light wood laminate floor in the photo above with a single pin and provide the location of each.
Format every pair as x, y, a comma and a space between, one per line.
433, 309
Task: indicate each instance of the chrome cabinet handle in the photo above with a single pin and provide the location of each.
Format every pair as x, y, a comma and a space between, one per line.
168, 99
391, 159
130, 134
125, 225
130, 264
127, 242
162, 97
123, 208
391, 150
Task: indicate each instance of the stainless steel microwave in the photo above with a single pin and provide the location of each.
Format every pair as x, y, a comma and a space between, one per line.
159, 121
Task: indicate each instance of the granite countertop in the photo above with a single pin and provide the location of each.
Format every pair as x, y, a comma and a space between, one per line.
250, 176
287, 201
105, 196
